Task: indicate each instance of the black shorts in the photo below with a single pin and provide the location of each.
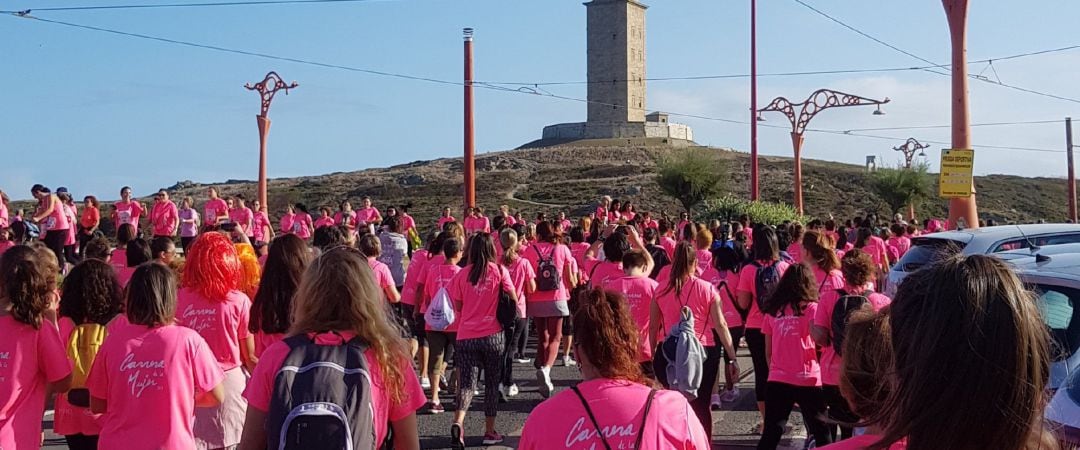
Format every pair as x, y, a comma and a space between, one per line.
403, 318
568, 325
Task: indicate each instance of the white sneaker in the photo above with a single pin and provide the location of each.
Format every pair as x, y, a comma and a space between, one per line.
523, 360
730, 396
568, 361
425, 383
543, 379
513, 390
504, 391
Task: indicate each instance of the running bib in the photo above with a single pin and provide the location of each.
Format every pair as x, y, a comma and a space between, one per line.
50, 223
125, 216
296, 227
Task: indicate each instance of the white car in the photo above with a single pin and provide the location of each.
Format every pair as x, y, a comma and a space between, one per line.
1055, 280
929, 248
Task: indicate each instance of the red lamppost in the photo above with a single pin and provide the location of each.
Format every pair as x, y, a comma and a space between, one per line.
956, 12
470, 139
266, 88
909, 148
753, 102
818, 101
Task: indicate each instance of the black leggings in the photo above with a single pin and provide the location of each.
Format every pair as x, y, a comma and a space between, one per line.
755, 341
55, 239
521, 336
709, 373
185, 242
839, 412
511, 336
782, 398
474, 355
82, 442
69, 254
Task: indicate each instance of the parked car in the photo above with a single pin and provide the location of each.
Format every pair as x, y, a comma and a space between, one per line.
1055, 281
929, 248
1063, 412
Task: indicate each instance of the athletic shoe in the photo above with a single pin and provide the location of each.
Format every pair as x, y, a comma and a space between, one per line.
730, 396
425, 383
504, 393
543, 378
568, 361
513, 390
492, 438
435, 408
457, 437
442, 383
714, 402
522, 360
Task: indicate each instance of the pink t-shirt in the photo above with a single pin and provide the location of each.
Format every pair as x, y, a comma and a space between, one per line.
861, 443
561, 421
263, 341
560, 257
578, 251
438, 277
383, 277
831, 363
72, 216
301, 226
123, 275
698, 294
726, 284
326, 221
902, 244
215, 209
29, 360
794, 357
287, 223
222, 323
639, 292
828, 282
259, 225
479, 301
118, 259
521, 273
510, 220
368, 215
422, 276
477, 224
704, 261
5, 245
599, 272
347, 219
164, 217
260, 388
243, 218
416, 262
443, 220
601, 212
669, 246
128, 212
748, 283
150, 378
407, 222
795, 250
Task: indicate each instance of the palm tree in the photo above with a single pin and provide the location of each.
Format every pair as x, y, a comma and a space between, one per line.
902, 187
691, 176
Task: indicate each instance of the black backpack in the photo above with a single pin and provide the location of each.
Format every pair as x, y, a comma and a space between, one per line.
841, 314
548, 278
765, 282
322, 398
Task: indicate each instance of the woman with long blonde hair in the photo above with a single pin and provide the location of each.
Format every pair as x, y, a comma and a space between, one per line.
339, 303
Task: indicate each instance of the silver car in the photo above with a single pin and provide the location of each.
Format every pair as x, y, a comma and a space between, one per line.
929, 248
1056, 283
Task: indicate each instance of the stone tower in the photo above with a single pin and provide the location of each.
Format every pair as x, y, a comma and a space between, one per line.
616, 61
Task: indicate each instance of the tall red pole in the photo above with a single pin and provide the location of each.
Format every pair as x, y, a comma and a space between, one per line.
470, 139
1072, 173
264, 133
796, 144
956, 11
753, 102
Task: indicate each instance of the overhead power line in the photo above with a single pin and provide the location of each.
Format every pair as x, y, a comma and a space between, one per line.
537, 91
184, 5
947, 66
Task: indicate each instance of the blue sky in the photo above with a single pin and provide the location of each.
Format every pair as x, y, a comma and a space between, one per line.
95, 111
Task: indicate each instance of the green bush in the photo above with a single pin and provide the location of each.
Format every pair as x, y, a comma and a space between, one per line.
729, 208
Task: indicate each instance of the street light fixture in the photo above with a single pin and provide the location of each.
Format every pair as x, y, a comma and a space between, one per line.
818, 101
266, 89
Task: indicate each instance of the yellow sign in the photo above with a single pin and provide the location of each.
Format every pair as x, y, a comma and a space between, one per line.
956, 173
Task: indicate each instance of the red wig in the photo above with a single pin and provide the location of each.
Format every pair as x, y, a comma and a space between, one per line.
212, 267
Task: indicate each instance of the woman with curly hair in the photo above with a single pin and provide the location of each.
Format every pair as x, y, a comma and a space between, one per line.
34, 356
211, 303
91, 296
614, 393
339, 303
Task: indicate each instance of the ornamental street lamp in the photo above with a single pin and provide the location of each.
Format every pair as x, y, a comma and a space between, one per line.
818, 101
266, 89
909, 148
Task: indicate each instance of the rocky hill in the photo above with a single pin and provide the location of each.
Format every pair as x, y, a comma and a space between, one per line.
571, 178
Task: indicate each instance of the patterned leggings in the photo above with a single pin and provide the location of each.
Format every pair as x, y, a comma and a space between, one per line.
481, 353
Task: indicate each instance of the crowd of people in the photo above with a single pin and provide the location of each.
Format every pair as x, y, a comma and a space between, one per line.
336, 332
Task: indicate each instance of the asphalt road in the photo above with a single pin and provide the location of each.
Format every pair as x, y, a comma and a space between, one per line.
732, 427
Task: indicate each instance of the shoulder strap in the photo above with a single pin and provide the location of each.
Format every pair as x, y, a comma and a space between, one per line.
644, 418
599, 431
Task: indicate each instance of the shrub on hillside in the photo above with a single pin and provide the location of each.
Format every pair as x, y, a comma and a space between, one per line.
691, 176
729, 208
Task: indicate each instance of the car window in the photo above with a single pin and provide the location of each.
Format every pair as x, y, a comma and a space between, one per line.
1059, 309
1041, 241
924, 251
